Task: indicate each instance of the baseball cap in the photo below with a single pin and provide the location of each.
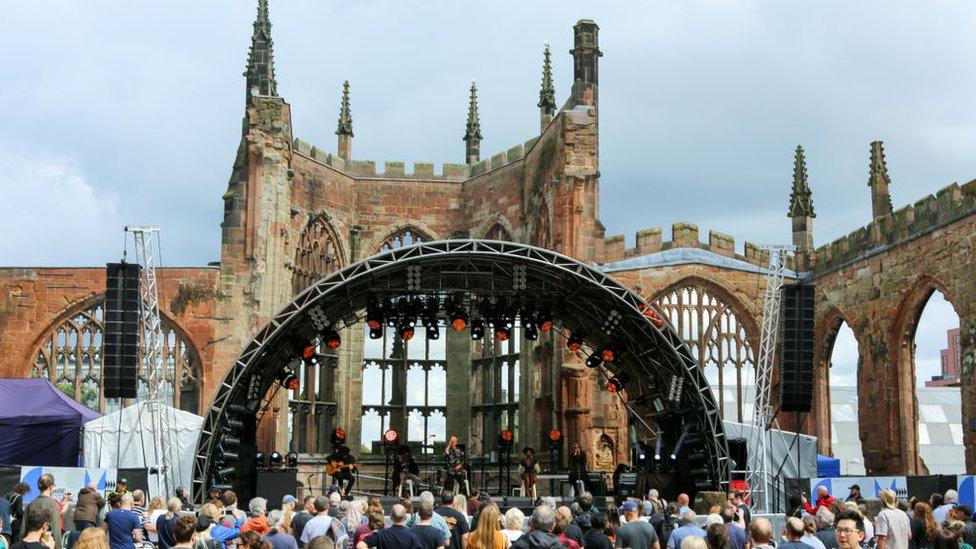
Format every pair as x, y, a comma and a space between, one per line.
630, 506
121, 481
288, 499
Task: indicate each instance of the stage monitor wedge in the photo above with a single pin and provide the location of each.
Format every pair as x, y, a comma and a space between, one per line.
121, 337
796, 363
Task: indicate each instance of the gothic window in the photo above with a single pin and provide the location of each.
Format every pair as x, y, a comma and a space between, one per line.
312, 406
71, 357
495, 388
717, 339
405, 388
404, 237
319, 253
497, 232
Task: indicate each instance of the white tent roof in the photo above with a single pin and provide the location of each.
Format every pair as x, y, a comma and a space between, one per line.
128, 439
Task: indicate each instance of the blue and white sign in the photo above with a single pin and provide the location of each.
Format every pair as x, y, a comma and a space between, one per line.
840, 487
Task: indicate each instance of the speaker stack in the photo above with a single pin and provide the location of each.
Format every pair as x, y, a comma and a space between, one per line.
796, 367
121, 336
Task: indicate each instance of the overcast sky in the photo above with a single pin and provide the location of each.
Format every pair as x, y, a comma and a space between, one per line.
129, 112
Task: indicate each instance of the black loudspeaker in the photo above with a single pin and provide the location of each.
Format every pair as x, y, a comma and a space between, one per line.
739, 454
626, 485
596, 483
121, 337
275, 484
796, 366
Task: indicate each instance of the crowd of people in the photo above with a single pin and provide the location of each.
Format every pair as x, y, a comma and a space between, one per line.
123, 520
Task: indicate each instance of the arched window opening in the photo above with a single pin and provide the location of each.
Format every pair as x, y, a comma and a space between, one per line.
495, 383
404, 237
319, 253
71, 357
845, 439
718, 341
497, 232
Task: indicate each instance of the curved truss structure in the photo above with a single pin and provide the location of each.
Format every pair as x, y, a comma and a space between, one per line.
582, 299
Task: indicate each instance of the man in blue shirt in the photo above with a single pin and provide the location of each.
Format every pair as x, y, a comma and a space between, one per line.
687, 528
123, 526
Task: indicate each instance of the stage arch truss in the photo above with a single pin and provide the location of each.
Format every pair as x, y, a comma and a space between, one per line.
666, 389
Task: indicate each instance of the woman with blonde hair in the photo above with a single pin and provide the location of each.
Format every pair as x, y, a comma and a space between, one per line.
91, 538
488, 534
514, 522
156, 508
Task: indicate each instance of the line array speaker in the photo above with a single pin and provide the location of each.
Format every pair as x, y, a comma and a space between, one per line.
121, 337
796, 366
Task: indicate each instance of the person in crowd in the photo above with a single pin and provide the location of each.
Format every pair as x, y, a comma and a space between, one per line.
155, 509
227, 528
184, 529
213, 496
487, 532
258, 521
595, 538
251, 540
735, 532
139, 507
427, 536
165, 523
436, 521
737, 498
277, 535
810, 533
964, 514
760, 534
657, 502
321, 542
694, 542
891, 526
322, 524
613, 523
302, 517
91, 538
36, 524
123, 526
514, 521
456, 522
924, 527
849, 529
571, 530
5, 523
374, 521
184, 498
716, 536
683, 502
88, 507
15, 497
955, 528
868, 524
824, 499
202, 539
122, 487
855, 495
559, 528
229, 500
540, 535
636, 534
288, 503
397, 536
687, 528
825, 528
583, 518
949, 501
45, 501
350, 515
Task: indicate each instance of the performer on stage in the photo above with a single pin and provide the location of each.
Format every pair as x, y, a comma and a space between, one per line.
577, 470
341, 465
455, 470
528, 470
405, 471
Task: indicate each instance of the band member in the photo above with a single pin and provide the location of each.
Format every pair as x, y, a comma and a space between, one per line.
455, 470
405, 470
341, 465
577, 469
528, 469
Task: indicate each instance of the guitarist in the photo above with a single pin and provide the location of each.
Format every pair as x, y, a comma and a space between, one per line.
454, 467
340, 465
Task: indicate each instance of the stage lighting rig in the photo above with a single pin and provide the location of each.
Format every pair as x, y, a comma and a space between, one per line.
575, 342
503, 328
594, 360
555, 438
291, 460
260, 459
477, 329
391, 438
609, 353
505, 439
338, 436
617, 383
331, 339
276, 459
288, 380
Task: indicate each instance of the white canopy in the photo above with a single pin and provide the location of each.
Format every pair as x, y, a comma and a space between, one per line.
129, 438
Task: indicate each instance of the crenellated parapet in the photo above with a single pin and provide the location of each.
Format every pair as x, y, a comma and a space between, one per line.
683, 235
950, 204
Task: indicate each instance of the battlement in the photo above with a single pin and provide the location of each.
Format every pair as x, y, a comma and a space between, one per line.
683, 235
949, 204
421, 170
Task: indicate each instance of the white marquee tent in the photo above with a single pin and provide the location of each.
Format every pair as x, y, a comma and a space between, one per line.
137, 445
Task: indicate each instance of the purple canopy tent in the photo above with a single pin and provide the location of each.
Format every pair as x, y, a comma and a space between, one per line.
40, 425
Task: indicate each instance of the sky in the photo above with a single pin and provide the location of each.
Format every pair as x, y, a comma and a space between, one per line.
129, 112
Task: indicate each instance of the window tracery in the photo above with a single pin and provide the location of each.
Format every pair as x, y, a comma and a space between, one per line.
319, 253
497, 232
403, 237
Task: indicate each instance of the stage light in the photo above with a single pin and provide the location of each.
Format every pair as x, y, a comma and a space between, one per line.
477, 329
703, 484
593, 360
306, 351
657, 448
575, 342
374, 316
235, 424
229, 455
332, 339
338, 436
288, 380
615, 384
231, 442
223, 487
434, 331
250, 409
459, 320
276, 459
291, 459
406, 331
226, 472
376, 333
608, 354
699, 472
261, 459
544, 320
555, 438
502, 332
391, 437
505, 439
529, 327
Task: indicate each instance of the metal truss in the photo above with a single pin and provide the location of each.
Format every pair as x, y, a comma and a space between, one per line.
581, 297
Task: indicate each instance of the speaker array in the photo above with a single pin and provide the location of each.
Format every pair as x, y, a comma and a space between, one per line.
121, 336
796, 366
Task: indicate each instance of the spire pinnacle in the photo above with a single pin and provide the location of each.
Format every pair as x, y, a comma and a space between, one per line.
547, 95
260, 72
801, 200
345, 117
473, 129
879, 181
